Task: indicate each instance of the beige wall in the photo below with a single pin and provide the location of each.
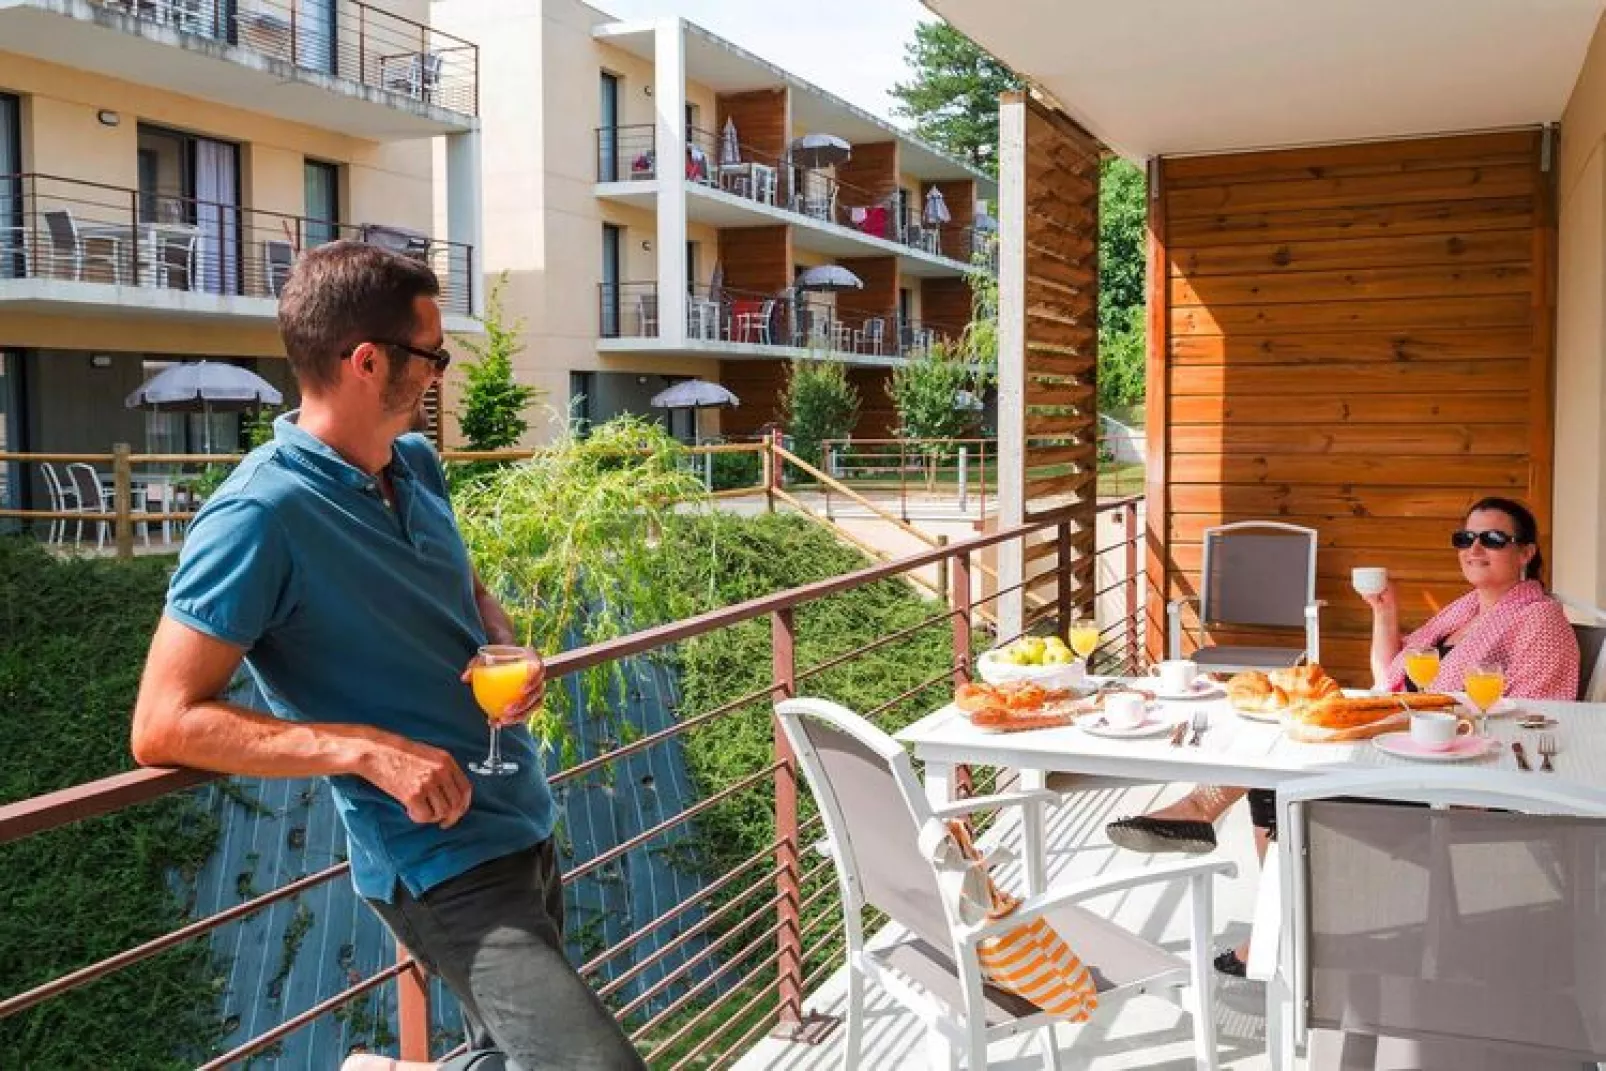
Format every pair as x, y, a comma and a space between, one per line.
1580, 499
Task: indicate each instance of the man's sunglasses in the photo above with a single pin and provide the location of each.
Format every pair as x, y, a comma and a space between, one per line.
439, 358
1492, 539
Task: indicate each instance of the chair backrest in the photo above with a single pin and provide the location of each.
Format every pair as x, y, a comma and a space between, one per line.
87, 484
63, 231
1257, 573
874, 328
178, 254
1591, 666
873, 809
54, 488
278, 258
1461, 924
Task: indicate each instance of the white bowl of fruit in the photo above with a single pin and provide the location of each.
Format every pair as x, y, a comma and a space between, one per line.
1043, 660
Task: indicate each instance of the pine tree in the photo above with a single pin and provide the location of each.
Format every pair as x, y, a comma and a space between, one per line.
953, 97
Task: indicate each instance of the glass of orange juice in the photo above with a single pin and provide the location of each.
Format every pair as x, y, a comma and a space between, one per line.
1485, 685
1084, 638
498, 677
1422, 666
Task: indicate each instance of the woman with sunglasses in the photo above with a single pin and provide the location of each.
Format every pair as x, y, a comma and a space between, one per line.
1507, 618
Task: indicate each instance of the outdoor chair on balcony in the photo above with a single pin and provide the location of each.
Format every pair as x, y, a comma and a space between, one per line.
647, 316
889, 844
72, 250
415, 74
176, 267
1466, 935
278, 257
871, 336
1257, 574
15, 262
750, 324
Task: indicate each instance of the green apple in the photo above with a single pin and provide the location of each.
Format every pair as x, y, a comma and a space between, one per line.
1059, 656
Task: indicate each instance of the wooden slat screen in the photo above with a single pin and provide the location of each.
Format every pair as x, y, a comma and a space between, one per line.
1356, 339
1061, 335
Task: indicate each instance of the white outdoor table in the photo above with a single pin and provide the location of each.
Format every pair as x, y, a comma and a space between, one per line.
1235, 751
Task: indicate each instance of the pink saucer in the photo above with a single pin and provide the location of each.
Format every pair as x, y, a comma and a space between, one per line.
1465, 747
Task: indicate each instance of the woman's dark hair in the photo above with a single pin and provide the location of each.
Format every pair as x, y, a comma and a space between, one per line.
1522, 519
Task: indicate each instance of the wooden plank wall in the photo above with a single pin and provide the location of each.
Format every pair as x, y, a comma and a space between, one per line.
960, 197
870, 176
1356, 339
879, 296
945, 304
1061, 346
877, 418
763, 120
756, 260
759, 385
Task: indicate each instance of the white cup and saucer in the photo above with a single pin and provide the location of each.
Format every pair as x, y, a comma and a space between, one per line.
1125, 713
1179, 678
1436, 736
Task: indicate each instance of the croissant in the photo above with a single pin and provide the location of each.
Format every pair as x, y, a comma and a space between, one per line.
1254, 692
1307, 682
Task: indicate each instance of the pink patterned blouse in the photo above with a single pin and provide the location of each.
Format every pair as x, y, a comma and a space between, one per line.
1527, 632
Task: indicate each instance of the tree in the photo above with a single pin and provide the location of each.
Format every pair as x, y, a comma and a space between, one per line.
819, 404
492, 411
1123, 211
953, 96
926, 393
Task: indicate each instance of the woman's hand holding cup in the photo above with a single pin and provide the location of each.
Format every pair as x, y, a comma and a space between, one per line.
1372, 584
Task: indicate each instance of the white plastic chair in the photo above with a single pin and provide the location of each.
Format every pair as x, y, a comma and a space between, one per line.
91, 499
63, 499
881, 829
869, 338
749, 324
1469, 935
278, 257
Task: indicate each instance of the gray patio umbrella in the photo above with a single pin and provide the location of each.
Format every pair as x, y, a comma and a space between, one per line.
829, 279
730, 149
820, 150
204, 387
694, 394
985, 223
936, 208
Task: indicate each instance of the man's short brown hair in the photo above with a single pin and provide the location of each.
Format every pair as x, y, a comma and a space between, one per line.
342, 294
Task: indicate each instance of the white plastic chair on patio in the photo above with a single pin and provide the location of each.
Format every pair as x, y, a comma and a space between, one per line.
63, 499
77, 250
1467, 937
1259, 574
875, 814
91, 499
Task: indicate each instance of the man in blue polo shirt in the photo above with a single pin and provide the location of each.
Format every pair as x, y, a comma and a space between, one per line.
331, 564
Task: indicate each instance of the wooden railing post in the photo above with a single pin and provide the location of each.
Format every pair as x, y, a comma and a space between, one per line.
1063, 607
773, 470
1129, 531
784, 678
412, 1010
122, 499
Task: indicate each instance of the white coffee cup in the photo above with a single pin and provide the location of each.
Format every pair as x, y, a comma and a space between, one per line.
1369, 579
1177, 676
1125, 710
1436, 730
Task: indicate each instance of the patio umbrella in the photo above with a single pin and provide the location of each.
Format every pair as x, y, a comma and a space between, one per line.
694, 394
820, 150
985, 224
730, 149
829, 279
204, 387
936, 208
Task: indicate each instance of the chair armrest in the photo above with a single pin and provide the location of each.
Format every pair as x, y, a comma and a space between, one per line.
1000, 799
1070, 893
1314, 609
1173, 619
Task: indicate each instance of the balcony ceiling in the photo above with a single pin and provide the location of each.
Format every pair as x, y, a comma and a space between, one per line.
74, 34
1156, 77
726, 68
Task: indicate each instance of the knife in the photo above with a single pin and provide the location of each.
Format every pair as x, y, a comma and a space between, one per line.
1522, 756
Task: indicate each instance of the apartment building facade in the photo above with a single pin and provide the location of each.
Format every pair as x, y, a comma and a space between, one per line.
652, 213
163, 162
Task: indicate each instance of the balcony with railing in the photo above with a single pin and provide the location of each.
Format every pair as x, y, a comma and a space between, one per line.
338, 64
836, 218
66, 242
786, 324
710, 974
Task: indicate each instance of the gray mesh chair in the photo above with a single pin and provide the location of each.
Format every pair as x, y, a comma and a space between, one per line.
877, 819
1467, 936
1257, 574
1591, 646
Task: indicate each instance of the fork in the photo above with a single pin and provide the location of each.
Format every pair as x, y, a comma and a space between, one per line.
1200, 724
1547, 748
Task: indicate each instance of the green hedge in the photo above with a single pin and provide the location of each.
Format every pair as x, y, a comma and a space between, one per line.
74, 639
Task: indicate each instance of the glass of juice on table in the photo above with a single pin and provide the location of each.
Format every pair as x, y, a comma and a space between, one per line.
1084, 638
498, 678
1485, 686
1422, 666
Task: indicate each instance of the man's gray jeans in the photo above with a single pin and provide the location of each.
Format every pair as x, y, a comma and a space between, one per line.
495, 936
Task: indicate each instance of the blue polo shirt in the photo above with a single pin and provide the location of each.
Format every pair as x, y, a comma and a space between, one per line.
351, 611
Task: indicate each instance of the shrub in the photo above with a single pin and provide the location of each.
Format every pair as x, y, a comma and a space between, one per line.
926, 393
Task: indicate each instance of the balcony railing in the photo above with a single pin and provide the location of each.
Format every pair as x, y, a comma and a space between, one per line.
773, 923
344, 38
75, 231
787, 320
626, 153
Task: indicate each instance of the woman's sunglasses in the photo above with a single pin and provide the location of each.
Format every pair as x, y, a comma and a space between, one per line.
1492, 539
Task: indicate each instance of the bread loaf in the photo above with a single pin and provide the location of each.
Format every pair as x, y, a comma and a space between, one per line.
1307, 733
1337, 712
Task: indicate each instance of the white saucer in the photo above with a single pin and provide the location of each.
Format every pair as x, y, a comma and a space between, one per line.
1402, 746
1153, 722
1203, 688
1270, 717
